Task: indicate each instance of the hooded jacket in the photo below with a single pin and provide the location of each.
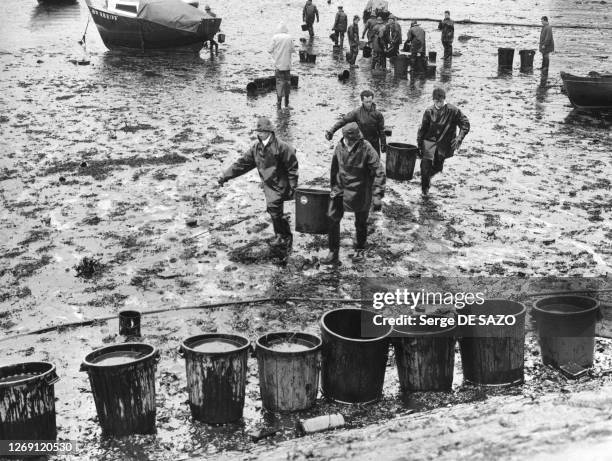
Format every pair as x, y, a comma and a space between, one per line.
277, 166
371, 124
357, 175
282, 48
441, 126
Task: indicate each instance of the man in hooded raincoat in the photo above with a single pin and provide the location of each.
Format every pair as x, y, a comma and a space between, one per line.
309, 13
281, 50
357, 182
277, 165
370, 121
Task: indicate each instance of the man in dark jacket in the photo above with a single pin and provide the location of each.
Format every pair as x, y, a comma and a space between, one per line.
416, 40
357, 181
277, 165
340, 25
370, 121
393, 37
369, 29
437, 138
309, 13
447, 26
353, 38
547, 44
379, 46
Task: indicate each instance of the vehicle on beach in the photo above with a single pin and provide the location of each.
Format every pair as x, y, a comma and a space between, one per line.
153, 25
591, 92
376, 8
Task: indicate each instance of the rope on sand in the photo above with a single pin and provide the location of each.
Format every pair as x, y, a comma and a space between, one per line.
512, 24
98, 320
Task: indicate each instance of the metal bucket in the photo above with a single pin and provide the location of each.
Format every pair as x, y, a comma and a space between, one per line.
566, 329
402, 62
216, 365
353, 362
505, 56
122, 379
289, 365
401, 159
311, 207
129, 323
367, 51
526, 60
27, 401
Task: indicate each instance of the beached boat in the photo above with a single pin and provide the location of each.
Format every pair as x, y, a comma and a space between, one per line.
148, 25
592, 92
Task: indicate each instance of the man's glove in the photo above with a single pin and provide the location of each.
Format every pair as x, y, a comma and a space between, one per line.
377, 204
221, 180
328, 135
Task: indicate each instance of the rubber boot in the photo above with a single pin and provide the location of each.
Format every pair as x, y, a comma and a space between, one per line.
331, 258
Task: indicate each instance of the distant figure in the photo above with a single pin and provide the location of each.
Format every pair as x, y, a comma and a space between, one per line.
340, 25
437, 138
370, 121
277, 165
309, 13
369, 29
393, 37
416, 40
379, 60
353, 38
281, 50
447, 26
547, 44
357, 182
213, 43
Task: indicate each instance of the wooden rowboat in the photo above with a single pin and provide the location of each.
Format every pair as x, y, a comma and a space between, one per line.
592, 92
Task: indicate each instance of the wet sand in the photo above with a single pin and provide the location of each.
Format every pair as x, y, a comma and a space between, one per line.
108, 161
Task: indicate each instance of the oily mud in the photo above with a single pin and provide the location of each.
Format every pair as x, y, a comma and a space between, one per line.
117, 161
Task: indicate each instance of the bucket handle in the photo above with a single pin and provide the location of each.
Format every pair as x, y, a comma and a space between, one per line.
84, 367
181, 351
52, 378
156, 357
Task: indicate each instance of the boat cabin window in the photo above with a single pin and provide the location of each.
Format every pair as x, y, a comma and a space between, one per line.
128, 8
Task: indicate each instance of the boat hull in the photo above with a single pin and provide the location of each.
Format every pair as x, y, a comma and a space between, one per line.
128, 34
588, 92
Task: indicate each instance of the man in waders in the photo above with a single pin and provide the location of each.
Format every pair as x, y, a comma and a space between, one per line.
447, 26
277, 165
353, 38
416, 43
370, 121
339, 28
393, 37
309, 13
437, 138
213, 43
281, 50
379, 59
357, 182
547, 44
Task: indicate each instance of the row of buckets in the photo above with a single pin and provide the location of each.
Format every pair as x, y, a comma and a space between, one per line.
346, 364
505, 58
311, 204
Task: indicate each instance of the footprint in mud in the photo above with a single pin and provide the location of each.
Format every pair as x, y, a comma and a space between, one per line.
259, 251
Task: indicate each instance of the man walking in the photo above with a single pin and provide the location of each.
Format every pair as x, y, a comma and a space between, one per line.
281, 50
370, 121
277, 165
213, 44
437, 137
357, 181
340, 25
353, 38
547, 44
369, 29
447, 26
309, 13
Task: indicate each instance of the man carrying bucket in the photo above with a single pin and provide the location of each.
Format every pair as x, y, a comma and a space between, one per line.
353, 38
370, 121
277, 165
357, 181
281, 50
437, 138
309, 13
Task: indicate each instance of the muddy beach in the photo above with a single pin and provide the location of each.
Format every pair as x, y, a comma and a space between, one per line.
109, 161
